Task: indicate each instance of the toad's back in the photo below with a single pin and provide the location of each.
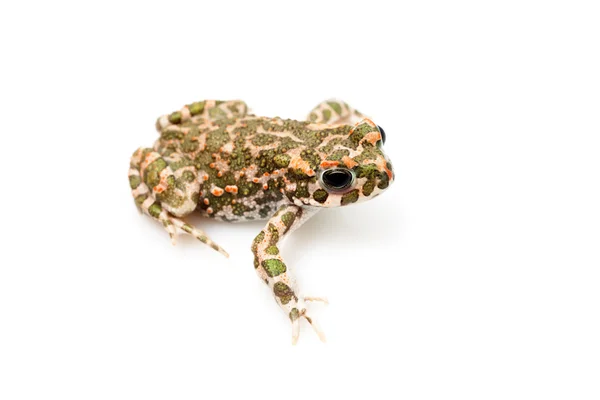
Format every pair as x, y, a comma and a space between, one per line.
247, 165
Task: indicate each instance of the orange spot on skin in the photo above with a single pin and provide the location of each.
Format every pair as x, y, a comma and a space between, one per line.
329, 164
299, 163
209, 210
242, 173
212, 165
255, 180
372, 137
265, 186
158, 189
233, 201
217, 191
266, 174
348, 162
219, 174
206, 202
231, 189
205, 177
275, 172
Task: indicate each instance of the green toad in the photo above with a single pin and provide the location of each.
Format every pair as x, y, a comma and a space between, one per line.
215, 158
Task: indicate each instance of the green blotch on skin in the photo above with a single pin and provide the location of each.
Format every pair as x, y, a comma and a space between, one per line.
320, 196
369, 171
170, 196
272, 250
155, 210
283, 291
152, 173
274, 234
257, 240
171, 135
338, 155
188, 176
189, 146
350, 197
326, 115
196, 108
281, 160
233, 107
217, 113
287, 144
384, 181
369, 152
187, 228
335, 106
368, 187
179, 164
274, 267
302, 190
288, 219
358, 134
175, 117
312, 117
262, 139
134, 181
240, 157
140, 199
294, 314
215, 140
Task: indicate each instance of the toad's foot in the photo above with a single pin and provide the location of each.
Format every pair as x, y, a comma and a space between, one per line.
197, 233
319, 299
272, 270
298, 313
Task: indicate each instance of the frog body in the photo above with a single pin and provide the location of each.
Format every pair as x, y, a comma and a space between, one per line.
214, 158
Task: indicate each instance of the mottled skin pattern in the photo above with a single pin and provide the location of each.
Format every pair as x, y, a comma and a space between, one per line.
214, 158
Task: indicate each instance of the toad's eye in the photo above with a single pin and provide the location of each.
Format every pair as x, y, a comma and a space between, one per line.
337, 180
382, 134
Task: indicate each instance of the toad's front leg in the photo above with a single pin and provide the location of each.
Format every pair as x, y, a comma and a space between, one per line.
273, 271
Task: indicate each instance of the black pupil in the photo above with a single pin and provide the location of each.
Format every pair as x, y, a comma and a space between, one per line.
382, 134
337, 178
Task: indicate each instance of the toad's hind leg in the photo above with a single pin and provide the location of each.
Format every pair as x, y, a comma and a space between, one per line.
273, 271
334, 111
166, 195
205, 109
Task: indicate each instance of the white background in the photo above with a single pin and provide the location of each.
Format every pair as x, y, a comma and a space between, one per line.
476, 276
